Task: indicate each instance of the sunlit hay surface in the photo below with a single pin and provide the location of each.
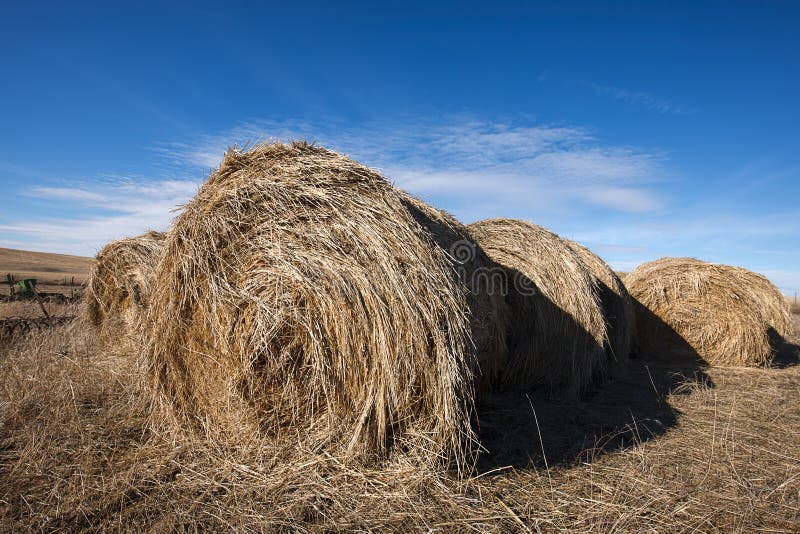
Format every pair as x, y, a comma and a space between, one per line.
77, 454
558, 333
617, 304
725, 315
302, 297
119, 282
770, 301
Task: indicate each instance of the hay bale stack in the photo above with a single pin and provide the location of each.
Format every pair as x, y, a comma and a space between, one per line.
558, 331
302, 297
725, 315
120, 279
617, 304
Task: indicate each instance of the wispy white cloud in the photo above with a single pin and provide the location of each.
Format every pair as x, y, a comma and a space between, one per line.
657, 233
65, 193
640, 98
621, 198
111, 208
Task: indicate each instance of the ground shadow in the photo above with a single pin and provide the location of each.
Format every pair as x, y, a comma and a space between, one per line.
531, 429
788, 351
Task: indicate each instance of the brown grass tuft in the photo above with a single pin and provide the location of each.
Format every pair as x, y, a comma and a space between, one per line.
722, 314
301, 297
558, 331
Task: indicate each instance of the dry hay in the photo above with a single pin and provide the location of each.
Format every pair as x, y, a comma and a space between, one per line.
120, 280
771, 302
302, 297
558, 331
489, 313
726, 315
617, 304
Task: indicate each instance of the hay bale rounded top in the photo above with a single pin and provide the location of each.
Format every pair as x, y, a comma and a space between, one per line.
558, 331
301, 296
120, 279
722, 314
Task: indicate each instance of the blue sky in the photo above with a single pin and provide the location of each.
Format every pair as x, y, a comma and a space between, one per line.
639, 129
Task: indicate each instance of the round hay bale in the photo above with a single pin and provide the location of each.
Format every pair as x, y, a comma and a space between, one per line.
558, 331
724, 315
302, 297
120, 279
617, 304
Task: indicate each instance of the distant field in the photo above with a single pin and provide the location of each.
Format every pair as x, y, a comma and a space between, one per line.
54, 274
794, 305
47, 268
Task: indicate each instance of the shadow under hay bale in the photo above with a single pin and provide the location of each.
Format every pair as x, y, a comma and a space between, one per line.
728, 315
301, 298
789, 353
670, 346
533, 430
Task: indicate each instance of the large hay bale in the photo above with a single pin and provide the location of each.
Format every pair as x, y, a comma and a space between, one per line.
120, 279
725, 315
617, 304
301, 296
558, 330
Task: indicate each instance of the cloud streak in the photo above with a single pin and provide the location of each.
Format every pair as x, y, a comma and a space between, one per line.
640, 98
110, 208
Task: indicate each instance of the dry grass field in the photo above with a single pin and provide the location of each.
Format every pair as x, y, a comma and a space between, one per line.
30, 308
49, 269
664, 448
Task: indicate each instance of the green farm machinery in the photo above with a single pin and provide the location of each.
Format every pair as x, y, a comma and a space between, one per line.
21, 289
25, 290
